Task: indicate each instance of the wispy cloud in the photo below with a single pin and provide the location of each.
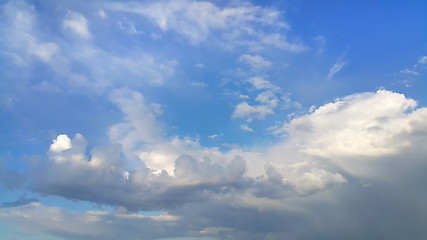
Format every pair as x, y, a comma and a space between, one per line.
196, 20
421, 61
336, 68
321, 44
409, 71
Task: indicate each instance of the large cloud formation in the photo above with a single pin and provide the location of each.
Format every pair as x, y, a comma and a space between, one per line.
353, 169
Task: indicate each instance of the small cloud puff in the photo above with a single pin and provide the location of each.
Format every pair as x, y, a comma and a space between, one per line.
77, 23
246, 128
256, 62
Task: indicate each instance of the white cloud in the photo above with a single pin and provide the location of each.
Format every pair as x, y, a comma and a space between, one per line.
213, 136
43, 51
414, 70
129, 28
102, 14
61, 143
268, 98
101, 70
359, 128
20, 38
260, 83
196, 20
63, 149
314, 173
199, 65
256, 61
422, 60
336, 68
77, 23
85, 225
246, 128
280, 41
140, 123
315, 180
409, 71
244, 110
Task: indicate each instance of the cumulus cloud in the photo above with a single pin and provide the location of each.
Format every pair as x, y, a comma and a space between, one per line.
362, 154
267, 100
361, 127
244, 110
61, 143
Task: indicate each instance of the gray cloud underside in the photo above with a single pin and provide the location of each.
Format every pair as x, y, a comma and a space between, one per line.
367, 182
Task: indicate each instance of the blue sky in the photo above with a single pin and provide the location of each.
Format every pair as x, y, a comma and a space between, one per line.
213, 119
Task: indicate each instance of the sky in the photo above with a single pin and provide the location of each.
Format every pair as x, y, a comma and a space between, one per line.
184, 120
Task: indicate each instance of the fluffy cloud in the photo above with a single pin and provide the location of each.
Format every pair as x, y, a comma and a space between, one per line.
244, 110
360, 128
61, 143
106, 178
269, 99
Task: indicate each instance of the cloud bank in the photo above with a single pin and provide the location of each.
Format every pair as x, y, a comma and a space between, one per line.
353, 167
